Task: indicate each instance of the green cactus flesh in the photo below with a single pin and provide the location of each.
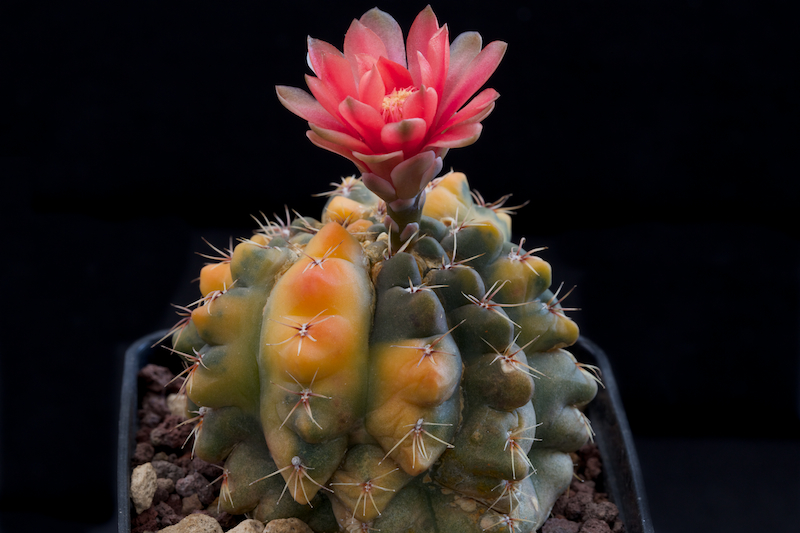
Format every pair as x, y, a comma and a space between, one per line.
362, 388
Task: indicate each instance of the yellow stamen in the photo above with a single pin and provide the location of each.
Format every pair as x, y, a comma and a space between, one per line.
392, 105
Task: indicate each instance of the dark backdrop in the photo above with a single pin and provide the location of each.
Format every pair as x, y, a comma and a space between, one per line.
655, 140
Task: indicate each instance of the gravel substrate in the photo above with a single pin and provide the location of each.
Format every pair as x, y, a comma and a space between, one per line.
170, 485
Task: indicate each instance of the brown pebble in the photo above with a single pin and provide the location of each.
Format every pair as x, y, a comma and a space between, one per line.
164, 487
149, 419
560, 525
560, 505
161, 456
155, 404
210, 471
573, 510
155, 378
593, 468
175, 502
143, 453
143, 434
582, 486
167, 515
593, 525
185, 460
605, 511
146, 521
191, 504
228, 521
195, 483
168, 470
169, 433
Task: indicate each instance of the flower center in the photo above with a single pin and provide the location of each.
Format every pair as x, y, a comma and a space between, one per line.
392, 105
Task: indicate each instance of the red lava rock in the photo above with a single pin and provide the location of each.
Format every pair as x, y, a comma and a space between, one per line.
155, 378
573, 510
583, 506
185, 460
174, 501
146, 521
227, 521
150, 419
158, 438
593, 468
195, 483
164, 456
560, 505
143, 453
593, 525
167, 515
576, 505
582, 486
169, 470
155, 404
160, 496
210, 471
164, 488
604, 510
143, 434
560, 525
169, 434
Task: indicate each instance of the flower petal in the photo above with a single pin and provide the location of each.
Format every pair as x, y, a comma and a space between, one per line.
371, 89
405, 135
365, 120
421, 104
380, 164
457, 136
462, 51
332, 68
342, 139
438, 58
395, 75
458, 91
306, 107
335, 148
362, 41
412, 175
476, 110
387, 28
419, 35
328, 101
425, 71
379, 186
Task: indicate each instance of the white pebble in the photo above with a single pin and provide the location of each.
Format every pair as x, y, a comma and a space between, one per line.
143, 487
177, 404
194, 523
248, 526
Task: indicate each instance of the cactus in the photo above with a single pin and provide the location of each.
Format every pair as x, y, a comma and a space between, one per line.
397, 365
354, 385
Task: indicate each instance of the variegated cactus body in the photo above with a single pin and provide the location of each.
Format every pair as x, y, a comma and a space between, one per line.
362, 388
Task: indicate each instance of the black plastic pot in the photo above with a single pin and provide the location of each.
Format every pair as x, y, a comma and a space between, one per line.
613, 435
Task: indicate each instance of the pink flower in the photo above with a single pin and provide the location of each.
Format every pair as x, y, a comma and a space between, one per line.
395, 108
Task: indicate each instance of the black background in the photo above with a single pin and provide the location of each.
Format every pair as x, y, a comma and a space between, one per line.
655, 140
